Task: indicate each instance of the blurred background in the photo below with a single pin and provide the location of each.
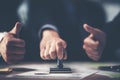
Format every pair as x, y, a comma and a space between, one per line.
112, 10
111, 7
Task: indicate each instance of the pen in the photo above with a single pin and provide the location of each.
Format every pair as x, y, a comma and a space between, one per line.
115, 68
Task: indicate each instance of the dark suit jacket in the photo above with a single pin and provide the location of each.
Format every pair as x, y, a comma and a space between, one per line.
112, 29
67, 15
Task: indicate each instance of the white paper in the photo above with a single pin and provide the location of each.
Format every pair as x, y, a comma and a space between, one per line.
42, 72
47, 75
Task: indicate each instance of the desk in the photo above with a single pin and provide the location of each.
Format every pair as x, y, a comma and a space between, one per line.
76, 66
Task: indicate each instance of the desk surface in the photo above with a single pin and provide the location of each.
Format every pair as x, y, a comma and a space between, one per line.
79, 71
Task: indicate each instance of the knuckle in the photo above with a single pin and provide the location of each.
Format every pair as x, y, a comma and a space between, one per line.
85, 40
97, 43
48, 42
65, 44
47, 55
6, 52
41, 46
51, 51
7, 46
22, 42
8, 43
42, 56
59, 43
84, 47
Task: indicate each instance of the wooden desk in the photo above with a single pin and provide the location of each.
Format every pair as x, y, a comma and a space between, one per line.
75, 66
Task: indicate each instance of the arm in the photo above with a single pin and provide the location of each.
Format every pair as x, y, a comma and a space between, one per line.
12, 48
94, 44
51, 45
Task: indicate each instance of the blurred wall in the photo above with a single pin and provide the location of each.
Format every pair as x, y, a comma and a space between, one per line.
111, 7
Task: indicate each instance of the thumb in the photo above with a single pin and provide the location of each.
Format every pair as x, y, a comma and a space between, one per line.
16, 29
94, 32
89, 29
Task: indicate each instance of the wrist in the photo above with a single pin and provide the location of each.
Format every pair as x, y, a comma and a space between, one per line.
49, 33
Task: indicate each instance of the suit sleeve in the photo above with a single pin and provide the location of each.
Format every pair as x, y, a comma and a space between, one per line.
47, 16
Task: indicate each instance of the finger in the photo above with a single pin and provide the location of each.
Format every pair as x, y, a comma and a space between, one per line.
97, 33
65, 54
91, 43
46, 53
14, 61
91, 51
15, 56
95, 58
64, 51
16, 50
89, 29
42, 50
16, 29
16, 42
59, 50
12, 58
52, 51
93, 54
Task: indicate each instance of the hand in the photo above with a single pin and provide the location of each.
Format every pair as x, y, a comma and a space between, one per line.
52, 46
94, 44
12, 48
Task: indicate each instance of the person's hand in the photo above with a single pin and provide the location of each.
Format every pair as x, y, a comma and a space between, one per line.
12, 48
52, 46
94, 44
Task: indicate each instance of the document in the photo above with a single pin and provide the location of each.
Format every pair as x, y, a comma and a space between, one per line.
41, 74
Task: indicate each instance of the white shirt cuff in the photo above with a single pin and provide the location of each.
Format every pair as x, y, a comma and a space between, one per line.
2, 34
